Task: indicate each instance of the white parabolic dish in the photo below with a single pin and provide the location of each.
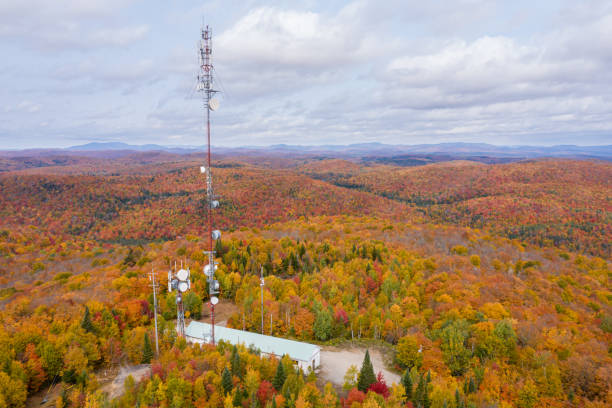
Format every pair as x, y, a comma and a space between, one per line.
213, 104
214, 300
207, 269
183, 286
182, 275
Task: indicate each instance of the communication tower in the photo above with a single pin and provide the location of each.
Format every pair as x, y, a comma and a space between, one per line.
181, 282
205, 85
154, 285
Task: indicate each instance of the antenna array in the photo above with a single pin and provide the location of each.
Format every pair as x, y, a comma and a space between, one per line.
181, 282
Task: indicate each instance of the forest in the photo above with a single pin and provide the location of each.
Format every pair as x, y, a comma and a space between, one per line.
487, 284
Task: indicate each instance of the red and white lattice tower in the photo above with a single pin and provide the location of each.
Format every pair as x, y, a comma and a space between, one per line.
205, 85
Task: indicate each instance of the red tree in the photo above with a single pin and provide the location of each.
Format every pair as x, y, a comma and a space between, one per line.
265, 392
380, 386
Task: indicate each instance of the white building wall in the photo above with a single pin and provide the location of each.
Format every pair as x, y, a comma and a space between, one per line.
315, 359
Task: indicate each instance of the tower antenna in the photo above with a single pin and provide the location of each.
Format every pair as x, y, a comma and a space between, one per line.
154, 285
180, 281
261, 284
205, 85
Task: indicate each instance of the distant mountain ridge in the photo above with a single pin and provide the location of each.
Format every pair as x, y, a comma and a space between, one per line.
379, 149
368, 151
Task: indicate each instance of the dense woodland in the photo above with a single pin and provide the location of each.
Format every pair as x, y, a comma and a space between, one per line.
499, 274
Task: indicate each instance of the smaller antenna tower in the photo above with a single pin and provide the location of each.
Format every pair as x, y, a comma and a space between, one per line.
154, 285
181, 282
261, 284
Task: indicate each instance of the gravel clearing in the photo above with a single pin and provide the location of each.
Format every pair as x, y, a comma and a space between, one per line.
336, 361
138, 372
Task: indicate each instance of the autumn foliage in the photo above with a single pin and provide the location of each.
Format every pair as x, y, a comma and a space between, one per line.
491, 284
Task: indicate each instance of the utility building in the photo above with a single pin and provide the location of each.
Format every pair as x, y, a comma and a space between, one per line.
307, 356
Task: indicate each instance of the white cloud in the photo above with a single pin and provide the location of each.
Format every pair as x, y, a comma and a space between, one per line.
491, 70
23, 107
294, 38
67, 24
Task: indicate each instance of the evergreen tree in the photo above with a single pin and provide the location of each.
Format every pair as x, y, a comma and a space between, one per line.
407, 383
235, 361
219, 247
238, 395
86, 323
366, 375
472, 385
420, 393
226, 381
279, 378
426, 400
147, 350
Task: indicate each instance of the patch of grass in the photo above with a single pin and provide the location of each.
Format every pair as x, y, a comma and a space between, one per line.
37, 266
62, 276
6, 292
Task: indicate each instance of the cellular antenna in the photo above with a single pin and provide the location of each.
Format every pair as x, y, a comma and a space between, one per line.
205, 85
180, 281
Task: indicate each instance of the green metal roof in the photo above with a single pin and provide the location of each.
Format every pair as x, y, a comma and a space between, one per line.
267, 344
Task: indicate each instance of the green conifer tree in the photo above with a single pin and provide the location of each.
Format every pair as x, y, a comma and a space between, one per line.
237, 401
235, 361
407, 383
226, 381
280, 377
147, 350
472, 385
366, 375
419, 393
86, 323
426, 400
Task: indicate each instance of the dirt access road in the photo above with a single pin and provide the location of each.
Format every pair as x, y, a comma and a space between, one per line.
110, 381
336, 361
115, 388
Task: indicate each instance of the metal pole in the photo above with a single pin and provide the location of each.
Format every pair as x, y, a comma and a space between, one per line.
261, 284
155, 312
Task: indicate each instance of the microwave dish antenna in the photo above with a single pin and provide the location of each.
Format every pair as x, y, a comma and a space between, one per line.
182, 275
213, 104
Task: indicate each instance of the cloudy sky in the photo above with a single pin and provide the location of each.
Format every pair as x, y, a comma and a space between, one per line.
311, 72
